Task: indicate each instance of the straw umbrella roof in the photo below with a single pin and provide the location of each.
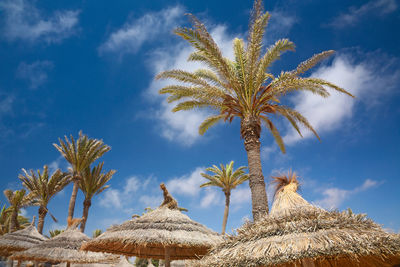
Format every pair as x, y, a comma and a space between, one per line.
64, 248
297, 233
20, 240
149, 236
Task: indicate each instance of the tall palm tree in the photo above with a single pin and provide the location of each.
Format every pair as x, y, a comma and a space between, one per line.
43, 188
93, 183
18, 200
227, 178
80, 154
244, 88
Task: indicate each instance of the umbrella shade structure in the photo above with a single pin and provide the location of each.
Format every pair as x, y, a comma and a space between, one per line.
164, 233
299, 234
64, 248
20, 240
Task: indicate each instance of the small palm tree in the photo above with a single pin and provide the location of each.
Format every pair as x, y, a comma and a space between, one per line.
43, 188
227, 179
244, 88
96, 233
4, 220
55, 232
18, 200
80, 155
93, 183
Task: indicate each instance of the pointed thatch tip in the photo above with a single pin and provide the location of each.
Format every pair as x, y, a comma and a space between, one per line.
33, 221
169, 201
286, 182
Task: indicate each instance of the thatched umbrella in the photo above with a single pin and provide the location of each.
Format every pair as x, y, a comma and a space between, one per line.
20, 240
164, 233
64, 248
297, 233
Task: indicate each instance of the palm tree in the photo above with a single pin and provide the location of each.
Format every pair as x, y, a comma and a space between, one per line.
55, 232
4, 220
80, 155
18, 200
244, 88
96, 233
93, 183
227, 179
43, 188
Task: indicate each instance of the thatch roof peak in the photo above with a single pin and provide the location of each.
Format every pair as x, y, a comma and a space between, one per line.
169, 201
33, 220
286, 195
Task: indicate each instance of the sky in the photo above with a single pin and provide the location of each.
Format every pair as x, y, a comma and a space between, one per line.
67, 66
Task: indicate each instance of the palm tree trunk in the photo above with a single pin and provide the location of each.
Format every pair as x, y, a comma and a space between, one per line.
226, 211
86, 205
42, 215
250, 131
72, 201
13, 221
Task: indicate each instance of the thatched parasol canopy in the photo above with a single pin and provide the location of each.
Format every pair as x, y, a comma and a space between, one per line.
20, 240
64, 248
159, 234
297, 233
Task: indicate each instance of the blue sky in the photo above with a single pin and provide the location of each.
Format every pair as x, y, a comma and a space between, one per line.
89, 65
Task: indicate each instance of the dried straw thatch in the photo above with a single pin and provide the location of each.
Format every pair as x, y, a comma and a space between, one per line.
297, 233
64, 248
162, 233
20, 240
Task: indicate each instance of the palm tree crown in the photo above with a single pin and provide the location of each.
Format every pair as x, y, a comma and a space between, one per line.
80, 154
227, 179
93, 183
43, 188
18, 200
244, 88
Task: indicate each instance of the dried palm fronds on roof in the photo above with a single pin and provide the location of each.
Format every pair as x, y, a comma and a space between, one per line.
64, 248
150, 235
20, 240
297, 233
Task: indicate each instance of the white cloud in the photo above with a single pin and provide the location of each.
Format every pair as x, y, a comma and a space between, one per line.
241, 195
182, 126
111, 198
279, 25
188, 185
35, 73
132, 185
151, 201
371, 8
333, 197
22, 20
123, 198
6, 102
365, 80
135, 33
211, 198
